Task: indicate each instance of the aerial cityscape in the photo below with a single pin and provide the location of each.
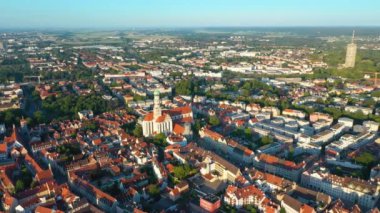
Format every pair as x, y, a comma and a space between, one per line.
189, 106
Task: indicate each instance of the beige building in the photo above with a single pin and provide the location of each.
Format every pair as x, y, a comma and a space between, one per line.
351, 53
350, 190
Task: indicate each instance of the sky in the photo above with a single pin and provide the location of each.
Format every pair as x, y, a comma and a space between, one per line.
186, 13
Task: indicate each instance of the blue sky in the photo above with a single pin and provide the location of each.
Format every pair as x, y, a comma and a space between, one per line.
186, 13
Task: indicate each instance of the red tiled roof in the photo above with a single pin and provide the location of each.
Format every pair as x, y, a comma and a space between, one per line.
187, 120
45, 174
181, 110
13, 137
97, 141
138, 211
245, 192
270, 159
148, 117
41, 209
3, 148
170, 167
212, 134
273, 179
178, 129
161, 118
307, 209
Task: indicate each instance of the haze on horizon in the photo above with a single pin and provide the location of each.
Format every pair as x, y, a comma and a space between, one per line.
186, 13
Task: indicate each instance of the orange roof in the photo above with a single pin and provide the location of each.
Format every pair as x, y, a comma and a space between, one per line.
45, 174
178, 129
270, 209
307, 209
65, 191
175, 192
115, 169
149, 117
187, 120
161, 118
288, 110
97, 141
181, 110
8, 200
3, 148
212, 134
13, 137
208, 176
138, 211
248, 152
239, 122
33, 163
273, 179
41, 209
331, 152
170, 167
268, 158
245, 192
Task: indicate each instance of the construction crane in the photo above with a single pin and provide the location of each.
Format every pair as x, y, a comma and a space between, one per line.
374, 73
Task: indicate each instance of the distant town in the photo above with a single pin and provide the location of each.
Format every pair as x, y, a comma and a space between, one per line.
191, 120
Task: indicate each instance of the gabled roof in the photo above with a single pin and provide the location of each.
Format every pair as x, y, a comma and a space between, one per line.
178, 129
13, 137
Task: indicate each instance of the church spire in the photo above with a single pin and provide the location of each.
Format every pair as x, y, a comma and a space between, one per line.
156, 108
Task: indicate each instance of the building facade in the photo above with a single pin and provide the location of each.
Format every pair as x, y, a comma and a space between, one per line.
157, 122
351, 53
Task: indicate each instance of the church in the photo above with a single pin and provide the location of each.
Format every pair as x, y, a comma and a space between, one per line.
177, 120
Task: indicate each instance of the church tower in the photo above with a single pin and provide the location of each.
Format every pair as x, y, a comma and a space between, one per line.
157, 108
351, 53
24, 125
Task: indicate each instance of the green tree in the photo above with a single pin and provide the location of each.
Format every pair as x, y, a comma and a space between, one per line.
20, 186
197, 126
336, 113
184, 87
138, 132
90, 125
365, 159
369, 102
183, 171
160, 139
10, 116
153, 190
375, 93
214, 121
251, 209
266, 140
248, 133
39, 117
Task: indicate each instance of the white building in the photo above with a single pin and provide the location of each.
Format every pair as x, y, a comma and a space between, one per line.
156, 122
371, 125
364, 110
351, 190
347, 122
162, 121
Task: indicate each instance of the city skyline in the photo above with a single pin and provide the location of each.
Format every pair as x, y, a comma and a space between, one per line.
190, 106
168, 13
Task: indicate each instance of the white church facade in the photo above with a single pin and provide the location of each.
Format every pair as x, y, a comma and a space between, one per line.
163, 121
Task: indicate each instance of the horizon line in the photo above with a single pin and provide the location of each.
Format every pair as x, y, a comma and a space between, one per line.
180, 27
